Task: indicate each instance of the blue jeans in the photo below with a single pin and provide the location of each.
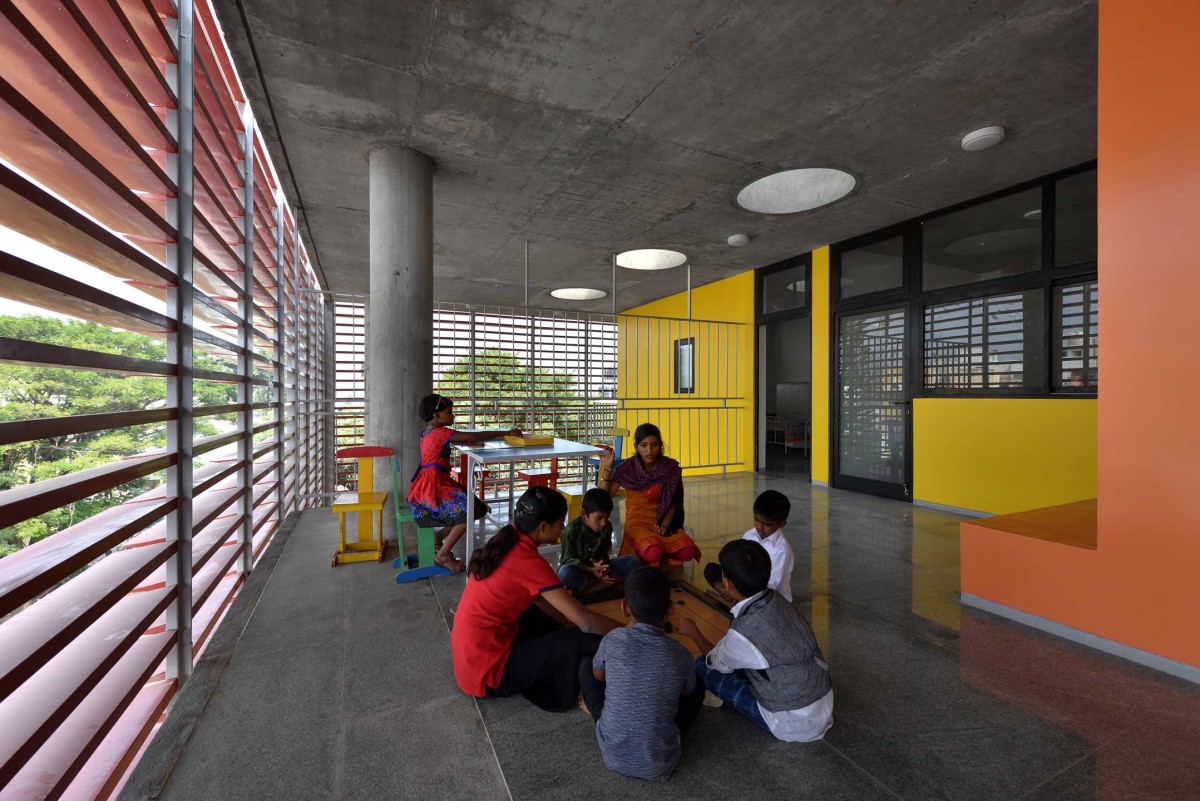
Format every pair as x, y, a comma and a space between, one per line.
576, 578
732, 688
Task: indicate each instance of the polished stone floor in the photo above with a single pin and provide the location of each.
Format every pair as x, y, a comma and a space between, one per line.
340, 686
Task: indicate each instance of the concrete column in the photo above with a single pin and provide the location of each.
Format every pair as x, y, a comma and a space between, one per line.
400, 308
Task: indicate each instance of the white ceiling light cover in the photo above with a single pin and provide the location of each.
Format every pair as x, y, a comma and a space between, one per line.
791, 191
651, 259
578, 293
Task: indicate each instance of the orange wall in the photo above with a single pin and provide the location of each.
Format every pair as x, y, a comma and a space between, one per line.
1141, 586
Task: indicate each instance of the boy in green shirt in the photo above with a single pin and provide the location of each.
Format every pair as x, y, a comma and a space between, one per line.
584, 565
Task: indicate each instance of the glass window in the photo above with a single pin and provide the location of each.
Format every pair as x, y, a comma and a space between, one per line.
991, 240
1075, 220
685, 365
985, 343
785, 290
1077, 323
872, 268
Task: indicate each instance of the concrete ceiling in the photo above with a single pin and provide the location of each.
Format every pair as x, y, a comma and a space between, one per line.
590, 127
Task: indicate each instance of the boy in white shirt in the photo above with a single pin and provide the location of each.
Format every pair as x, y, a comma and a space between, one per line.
771, 510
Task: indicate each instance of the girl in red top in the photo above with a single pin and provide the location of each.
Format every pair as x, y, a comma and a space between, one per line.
437, 500
502, 642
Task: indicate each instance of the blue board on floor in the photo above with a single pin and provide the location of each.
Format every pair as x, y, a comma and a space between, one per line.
414, 573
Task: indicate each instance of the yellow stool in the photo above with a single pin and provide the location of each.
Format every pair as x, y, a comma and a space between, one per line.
367, 504
574, 496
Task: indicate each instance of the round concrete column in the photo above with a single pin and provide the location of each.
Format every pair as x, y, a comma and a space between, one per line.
400, 308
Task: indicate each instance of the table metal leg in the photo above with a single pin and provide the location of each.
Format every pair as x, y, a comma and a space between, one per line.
512, 488
470, 509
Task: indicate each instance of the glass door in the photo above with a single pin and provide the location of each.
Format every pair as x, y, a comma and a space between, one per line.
873, 404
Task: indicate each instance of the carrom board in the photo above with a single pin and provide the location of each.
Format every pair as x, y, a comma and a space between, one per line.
712, 624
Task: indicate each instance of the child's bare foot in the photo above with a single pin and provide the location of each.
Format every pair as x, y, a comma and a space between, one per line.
450, 562
583, 706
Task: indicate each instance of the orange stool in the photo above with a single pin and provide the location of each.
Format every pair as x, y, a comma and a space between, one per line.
366, 503
541, 476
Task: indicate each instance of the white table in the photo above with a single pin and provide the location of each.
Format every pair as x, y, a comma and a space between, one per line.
499, 452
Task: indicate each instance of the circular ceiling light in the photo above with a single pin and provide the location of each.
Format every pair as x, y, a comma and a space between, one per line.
650, 259
791, 191
578, 293
738, 240
1033, 214
983, 138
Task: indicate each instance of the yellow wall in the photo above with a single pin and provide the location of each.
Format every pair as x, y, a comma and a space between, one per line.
1003, 455
820, 289
724, 373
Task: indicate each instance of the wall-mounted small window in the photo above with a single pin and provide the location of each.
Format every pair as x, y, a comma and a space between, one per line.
685, 366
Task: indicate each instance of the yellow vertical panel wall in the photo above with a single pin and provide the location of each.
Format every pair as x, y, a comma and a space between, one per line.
1003, 455
819, 299
724, 369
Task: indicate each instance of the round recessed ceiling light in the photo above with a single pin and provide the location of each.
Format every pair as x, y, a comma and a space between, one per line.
1033, 214
738, 240
578, 293
983, 138
650, 259
791, 191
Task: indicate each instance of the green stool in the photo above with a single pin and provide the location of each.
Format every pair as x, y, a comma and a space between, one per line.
419, 565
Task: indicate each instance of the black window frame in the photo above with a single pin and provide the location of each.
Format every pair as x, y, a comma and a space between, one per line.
1048, 278
761, 275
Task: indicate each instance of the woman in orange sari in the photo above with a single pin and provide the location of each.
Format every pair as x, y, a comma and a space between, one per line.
653, 500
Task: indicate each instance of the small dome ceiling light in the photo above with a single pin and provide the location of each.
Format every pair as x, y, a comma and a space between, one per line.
983, 138
651, 259
578, 293
738, 240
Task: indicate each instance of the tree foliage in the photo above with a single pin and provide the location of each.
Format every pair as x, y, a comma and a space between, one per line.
29, 393
503, 388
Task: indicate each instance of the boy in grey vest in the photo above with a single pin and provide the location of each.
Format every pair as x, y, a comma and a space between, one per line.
769, 666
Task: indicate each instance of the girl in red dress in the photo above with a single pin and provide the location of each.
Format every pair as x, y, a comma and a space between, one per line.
436, 499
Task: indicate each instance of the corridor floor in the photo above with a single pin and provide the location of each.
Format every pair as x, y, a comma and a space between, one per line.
340, 686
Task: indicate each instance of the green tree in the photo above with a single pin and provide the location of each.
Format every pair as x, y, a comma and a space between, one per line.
28, 393
503, 389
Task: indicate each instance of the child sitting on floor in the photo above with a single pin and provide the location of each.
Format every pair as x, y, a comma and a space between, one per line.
771, 510
769, 666
583, 563
641, 686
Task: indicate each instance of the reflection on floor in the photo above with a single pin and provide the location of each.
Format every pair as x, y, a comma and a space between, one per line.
341, 686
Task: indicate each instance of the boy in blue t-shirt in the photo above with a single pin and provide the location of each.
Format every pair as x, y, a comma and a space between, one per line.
641, 686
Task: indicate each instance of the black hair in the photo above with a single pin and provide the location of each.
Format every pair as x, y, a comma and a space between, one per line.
646, 430
431, 405
747, 564
536, 506
597, 500
772, 505
648, 594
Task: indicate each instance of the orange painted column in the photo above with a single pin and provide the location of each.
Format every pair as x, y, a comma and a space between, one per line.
1149, 264
1141, 584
